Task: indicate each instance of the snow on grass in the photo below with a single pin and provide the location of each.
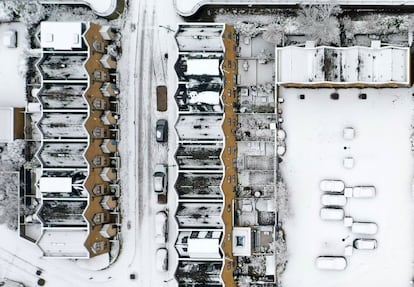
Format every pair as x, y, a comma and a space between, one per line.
382, 155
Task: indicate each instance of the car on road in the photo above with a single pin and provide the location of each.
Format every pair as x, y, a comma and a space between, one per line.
332, 185
161, 98
331, 262
161, 227
365, 244
160, 178
161, 131
161, 259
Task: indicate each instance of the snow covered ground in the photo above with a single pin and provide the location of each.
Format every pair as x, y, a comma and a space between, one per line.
383, 158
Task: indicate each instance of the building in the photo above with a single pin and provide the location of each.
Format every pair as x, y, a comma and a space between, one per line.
70, 201
201, 84
322, 66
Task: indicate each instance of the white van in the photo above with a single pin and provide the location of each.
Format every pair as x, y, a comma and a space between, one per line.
332, 185
161, 259
161, 221
363, 191
333, 199
364, 228
331, 262
328, 213
365, 244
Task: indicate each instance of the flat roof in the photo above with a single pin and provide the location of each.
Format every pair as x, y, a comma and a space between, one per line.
242, 241
203, 67
55, 184
7, 125
349, 65
61, 35
64, 243
203, 248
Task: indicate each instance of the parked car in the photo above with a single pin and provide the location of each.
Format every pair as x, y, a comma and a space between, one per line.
161, 131
161, 227
161, 259
160, 178
332, 185
161, 98
370, 228
331, 262
329, 213
363, 191
365, 244
360, 191
333, 199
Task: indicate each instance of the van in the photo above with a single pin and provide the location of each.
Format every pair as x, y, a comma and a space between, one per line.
333, 199
364, 228
329, 213
161, 227
363, 191
331, 263
161, 259
365, 244
332, 185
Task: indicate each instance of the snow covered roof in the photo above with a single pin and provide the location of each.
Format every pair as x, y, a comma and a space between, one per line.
61, 35
64, 243
350, 65
55, 184
7, 125
203, 248
196, 37
242, 241
203, 67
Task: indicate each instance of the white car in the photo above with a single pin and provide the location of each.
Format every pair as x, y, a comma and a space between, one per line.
363, 191
333, 199
160, 178
328, 213
370, 228
161, 259
332, 185
161, 227
365, 244
331, 262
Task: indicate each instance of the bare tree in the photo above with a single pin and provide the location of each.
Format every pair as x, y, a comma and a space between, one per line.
320, 23
9, 199
29, 12
274, 34
12, 158
247, 29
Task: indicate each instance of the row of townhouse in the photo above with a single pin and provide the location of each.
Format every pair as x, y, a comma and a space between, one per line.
69, 206
200, 145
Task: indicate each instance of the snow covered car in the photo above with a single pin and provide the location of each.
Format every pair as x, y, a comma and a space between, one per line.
332, 185
370, 228
331, 262
333, 199
365, 244
363, 191
161, 131
161, 227
161, 259
328, 213
160, 178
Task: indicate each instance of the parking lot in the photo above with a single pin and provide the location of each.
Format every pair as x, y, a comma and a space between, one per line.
382, 157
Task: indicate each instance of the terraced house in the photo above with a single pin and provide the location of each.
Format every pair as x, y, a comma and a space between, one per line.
69, 207
201, 84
